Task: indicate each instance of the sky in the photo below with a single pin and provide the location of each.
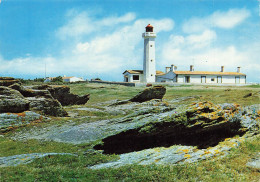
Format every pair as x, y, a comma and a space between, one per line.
103, 38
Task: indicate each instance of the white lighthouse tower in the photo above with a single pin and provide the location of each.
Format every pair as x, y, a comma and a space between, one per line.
149, 54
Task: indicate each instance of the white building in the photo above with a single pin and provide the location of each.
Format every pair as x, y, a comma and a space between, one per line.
150, 75
191, 76
65, 79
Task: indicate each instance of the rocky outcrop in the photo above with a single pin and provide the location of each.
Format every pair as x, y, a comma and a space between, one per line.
17, 99
63, 95
189, 134
155, 92
47, 106
202, 124
7, 81
12, 101
31, 92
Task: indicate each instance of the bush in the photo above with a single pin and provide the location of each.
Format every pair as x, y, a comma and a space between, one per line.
57, 79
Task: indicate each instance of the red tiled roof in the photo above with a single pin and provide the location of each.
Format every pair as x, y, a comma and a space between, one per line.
206, 73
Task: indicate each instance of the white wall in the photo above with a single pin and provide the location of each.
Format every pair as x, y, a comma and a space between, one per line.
225, 79
130, 77
73, 79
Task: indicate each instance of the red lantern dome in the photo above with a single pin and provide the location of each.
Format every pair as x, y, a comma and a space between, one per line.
149, 28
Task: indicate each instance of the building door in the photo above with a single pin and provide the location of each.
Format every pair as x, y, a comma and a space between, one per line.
187, 79
237, 79
219, 79
203, 79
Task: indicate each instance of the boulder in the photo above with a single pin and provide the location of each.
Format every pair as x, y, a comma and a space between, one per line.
16, 101
31, 92
47, 106
7, 81
9, 92
155, 92
63, 95
12, 101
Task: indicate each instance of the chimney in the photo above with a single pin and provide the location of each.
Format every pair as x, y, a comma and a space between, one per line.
167, 69
238, 69
191, 67
222, 69
172, 67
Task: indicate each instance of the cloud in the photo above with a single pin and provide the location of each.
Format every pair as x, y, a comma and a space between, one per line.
81, 23
200, 51
104, 53
122, 49
219, 19
181, 46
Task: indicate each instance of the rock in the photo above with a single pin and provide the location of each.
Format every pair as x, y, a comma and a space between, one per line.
31, 92
172, 155
254, 162
7, 81
25, 158
202, 124
10, 121
63, 95
47, 106
5, 91
40, 100
248, 95
155, 92
13, 105
12, 101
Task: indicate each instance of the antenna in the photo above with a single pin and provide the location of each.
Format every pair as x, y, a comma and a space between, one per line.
45, 69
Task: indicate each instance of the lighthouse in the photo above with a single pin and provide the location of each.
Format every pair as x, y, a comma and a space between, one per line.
149, 69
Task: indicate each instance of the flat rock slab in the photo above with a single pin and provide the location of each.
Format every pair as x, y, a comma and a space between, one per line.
92, 131
15, 160
173, 155
14, 120
255, 162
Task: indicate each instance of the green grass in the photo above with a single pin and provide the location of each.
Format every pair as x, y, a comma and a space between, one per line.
71, 168
74, 168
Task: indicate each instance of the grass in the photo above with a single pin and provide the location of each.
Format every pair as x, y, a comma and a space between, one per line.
71, 168
74, 168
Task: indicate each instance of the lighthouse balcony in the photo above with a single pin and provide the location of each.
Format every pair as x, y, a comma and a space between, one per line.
149, 34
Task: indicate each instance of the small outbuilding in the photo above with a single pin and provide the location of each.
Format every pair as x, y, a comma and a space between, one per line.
65, 79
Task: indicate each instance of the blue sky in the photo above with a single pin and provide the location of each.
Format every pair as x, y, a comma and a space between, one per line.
102, 38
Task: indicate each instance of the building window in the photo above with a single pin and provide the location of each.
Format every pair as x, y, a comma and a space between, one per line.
212, 79
151, 60
135, 77
151, 45
151, 74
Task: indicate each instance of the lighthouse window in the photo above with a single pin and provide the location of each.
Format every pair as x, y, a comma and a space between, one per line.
135, 77
151, 60
151, 74
151, 45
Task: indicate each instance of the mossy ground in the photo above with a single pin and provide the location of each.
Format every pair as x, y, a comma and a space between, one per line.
74, 168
